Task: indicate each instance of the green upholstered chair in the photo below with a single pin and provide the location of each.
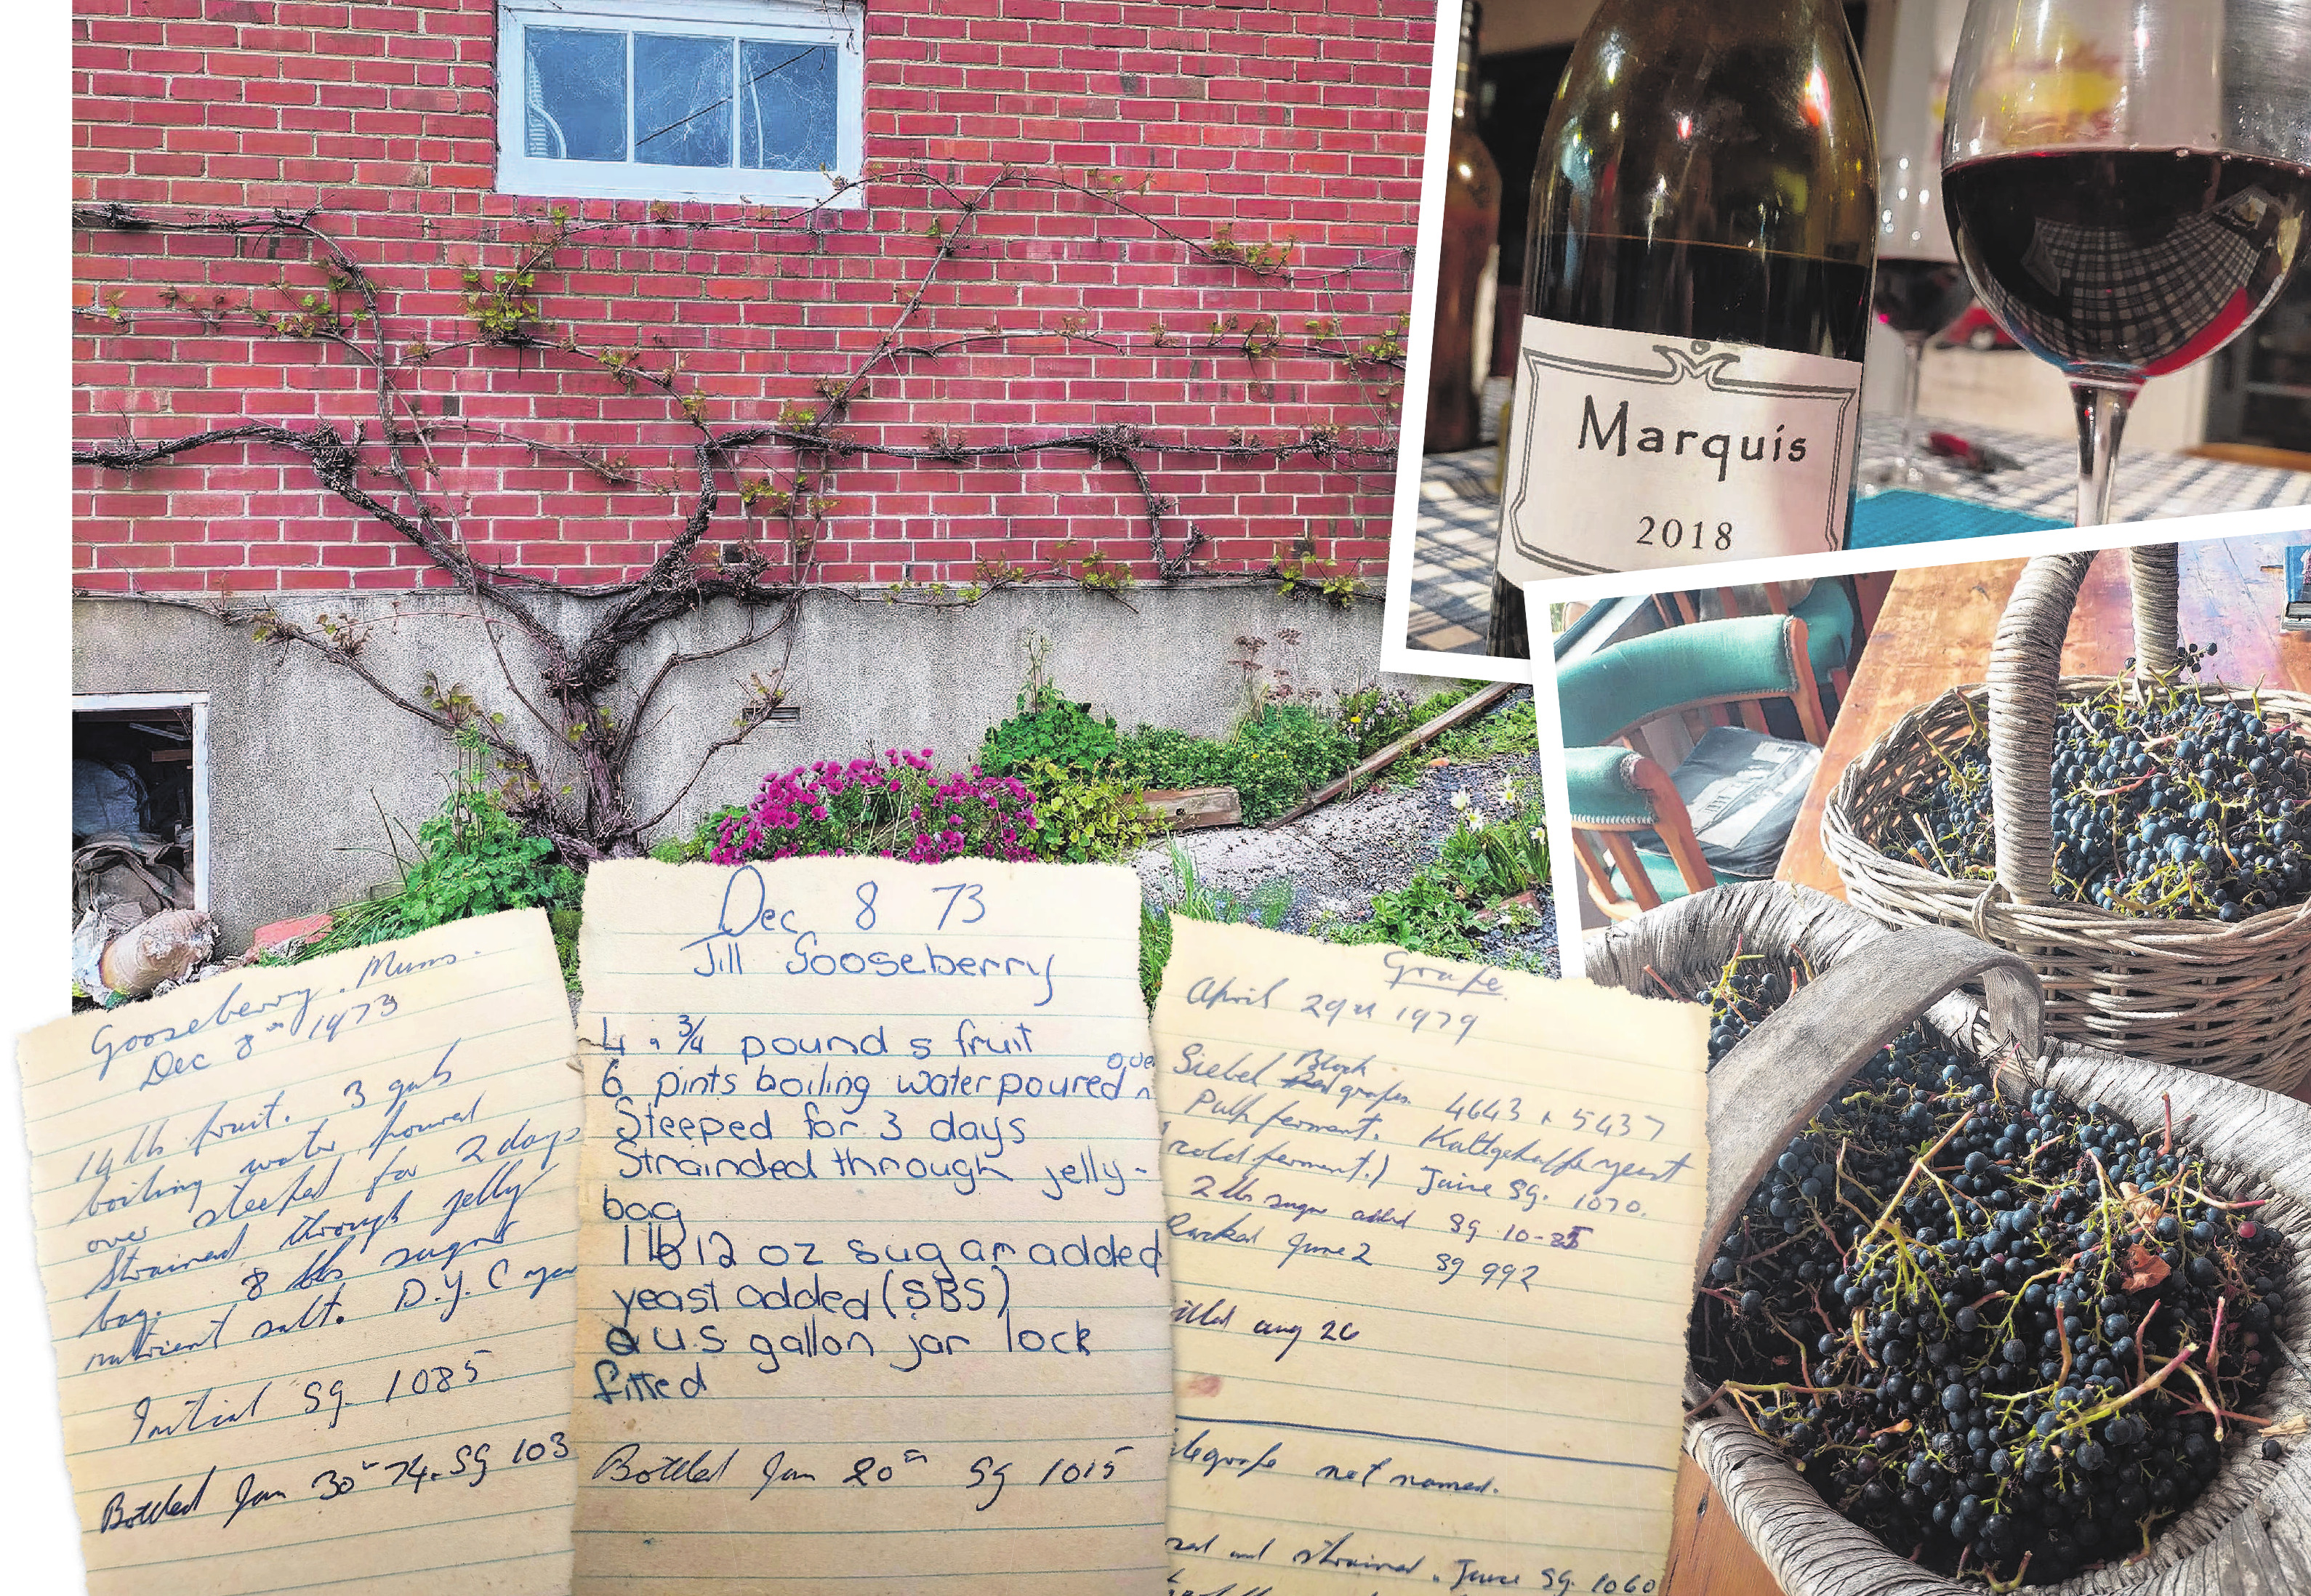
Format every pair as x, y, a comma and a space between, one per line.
1830, 620
1631, 826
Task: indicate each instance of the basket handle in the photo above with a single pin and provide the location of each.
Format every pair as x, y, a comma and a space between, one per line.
2026, 666
2151, 573
1778, 1077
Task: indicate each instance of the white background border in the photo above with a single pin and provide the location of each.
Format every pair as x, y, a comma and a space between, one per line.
35, 813
1404, 513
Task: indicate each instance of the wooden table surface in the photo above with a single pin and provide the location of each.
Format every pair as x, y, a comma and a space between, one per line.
1933, 633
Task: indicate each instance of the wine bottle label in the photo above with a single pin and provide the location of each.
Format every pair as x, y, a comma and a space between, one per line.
1632, 450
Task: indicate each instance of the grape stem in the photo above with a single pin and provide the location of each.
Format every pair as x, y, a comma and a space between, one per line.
2222, 1413
1707, 1402
2142, 1325
2208, 1401
1844, 1143
1917, 1164
2142, 1389
2020, 1573
2201, 1198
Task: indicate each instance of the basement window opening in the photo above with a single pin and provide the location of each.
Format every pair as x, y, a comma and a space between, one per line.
140, 802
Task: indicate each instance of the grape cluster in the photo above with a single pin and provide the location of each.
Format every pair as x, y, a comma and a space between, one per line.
2007, 1334
2164, 805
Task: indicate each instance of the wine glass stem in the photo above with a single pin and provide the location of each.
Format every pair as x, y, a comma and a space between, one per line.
1914, 353
2102, 418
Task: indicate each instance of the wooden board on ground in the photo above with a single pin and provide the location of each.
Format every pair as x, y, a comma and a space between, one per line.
1188, 808
1468, 709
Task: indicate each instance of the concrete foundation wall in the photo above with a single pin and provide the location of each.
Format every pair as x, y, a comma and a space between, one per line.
303, 756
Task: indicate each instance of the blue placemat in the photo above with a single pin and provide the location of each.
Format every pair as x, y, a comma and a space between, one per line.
1902, 516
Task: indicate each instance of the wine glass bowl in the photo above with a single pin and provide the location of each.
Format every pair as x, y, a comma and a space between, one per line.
2122, 265
1914, 298
2126, 181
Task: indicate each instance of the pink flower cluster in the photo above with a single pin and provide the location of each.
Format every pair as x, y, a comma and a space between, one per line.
898, 808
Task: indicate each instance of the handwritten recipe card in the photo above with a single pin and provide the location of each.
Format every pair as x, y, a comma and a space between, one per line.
307, 1239
871, 1293
1432, 1229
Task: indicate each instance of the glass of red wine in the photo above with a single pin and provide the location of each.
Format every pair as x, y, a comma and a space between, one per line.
1919, 289
2126, 181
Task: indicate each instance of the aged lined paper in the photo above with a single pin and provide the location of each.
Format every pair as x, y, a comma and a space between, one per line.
870, 1296
307, 1239
1432, 1232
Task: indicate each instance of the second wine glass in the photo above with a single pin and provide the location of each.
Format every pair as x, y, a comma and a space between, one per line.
1920, 289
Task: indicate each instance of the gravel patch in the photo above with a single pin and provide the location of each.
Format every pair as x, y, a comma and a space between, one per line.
1340, 856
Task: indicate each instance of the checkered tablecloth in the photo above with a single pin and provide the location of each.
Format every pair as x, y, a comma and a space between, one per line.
1459, 511
2123, 301
1453, 552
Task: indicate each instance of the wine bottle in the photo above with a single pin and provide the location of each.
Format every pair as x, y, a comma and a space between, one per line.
1468, 257
1696, 297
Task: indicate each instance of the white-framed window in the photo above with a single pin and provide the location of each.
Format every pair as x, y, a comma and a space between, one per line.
753, 101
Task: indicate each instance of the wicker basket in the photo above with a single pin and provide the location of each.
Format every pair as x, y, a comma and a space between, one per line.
2230, 999
2250, 1532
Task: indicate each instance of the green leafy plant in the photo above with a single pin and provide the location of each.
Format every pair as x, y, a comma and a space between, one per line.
502, 305
1282, 752
1508, 731
689, 850
1097, 573
564, 923
1499, 859
1374, 717
1154, 949
1165, 760
1049, 727
1299, 573
473, 859
1049, 731
1083, 817
1427, 915
1267, 260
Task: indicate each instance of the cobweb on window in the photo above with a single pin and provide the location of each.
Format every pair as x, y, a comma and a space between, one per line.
786, 106
682, 99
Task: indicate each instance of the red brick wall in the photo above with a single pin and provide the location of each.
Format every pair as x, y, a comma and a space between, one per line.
1283, 122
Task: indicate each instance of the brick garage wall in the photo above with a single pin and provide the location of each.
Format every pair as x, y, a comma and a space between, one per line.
1279, 123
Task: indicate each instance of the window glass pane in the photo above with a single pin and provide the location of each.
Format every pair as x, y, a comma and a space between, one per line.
682, 101
575, 81
786, 106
